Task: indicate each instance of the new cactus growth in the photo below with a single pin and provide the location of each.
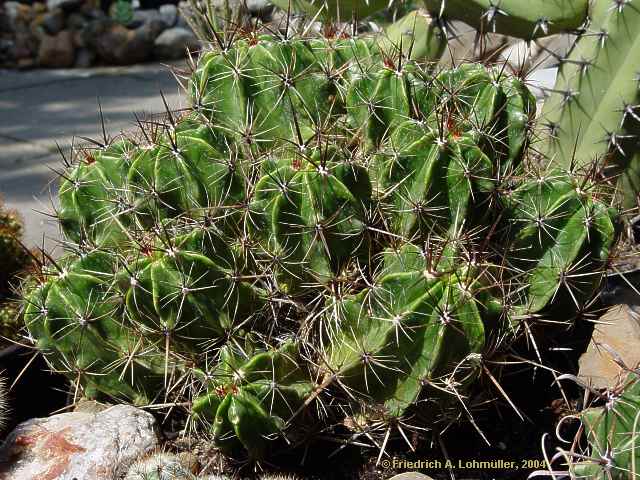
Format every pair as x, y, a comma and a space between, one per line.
417, 34
76, 315
385, 216
561, 233
251, 400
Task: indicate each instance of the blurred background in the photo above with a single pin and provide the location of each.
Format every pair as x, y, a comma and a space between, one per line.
60, 60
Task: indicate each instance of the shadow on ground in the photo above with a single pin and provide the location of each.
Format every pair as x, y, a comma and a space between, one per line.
41, 109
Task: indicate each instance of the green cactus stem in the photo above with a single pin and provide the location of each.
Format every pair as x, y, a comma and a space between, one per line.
418, 35
590, 115
411, 329
612, 433
513, 17
562, 237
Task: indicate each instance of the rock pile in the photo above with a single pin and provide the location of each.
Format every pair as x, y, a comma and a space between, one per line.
78, 33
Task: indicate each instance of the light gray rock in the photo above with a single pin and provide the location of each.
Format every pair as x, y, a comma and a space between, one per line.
172, 43
65, 4
540, 81
542, 53
181, 21
80, 445
11, 10
411, 476
257, 7
53, 21
117, 45
464, 47
615, 339
146, 16
169, 14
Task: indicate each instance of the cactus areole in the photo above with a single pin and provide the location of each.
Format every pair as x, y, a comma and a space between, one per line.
326, 219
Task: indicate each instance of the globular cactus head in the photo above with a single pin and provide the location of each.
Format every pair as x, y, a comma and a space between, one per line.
252, 396
327, 221
411, 331
161, 466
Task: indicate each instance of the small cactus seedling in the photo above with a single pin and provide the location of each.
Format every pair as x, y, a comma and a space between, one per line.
14, 256
164, 466
169, 466
160, 466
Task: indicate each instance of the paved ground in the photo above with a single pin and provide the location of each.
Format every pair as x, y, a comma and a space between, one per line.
42, 107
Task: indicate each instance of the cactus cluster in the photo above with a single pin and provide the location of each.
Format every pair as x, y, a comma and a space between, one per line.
160, 466
328, 231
